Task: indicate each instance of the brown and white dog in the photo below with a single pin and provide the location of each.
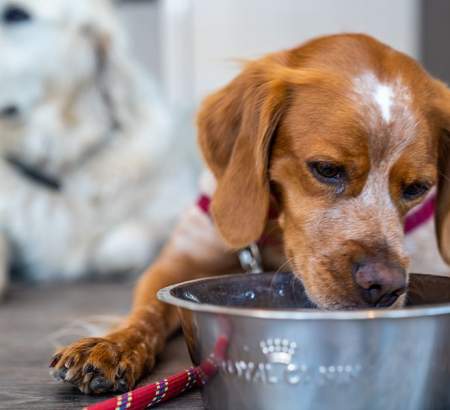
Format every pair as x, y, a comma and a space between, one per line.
346, 136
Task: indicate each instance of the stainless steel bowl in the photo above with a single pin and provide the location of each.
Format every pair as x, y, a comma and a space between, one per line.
282, 354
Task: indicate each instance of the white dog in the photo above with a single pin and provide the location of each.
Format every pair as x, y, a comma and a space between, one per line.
89, 181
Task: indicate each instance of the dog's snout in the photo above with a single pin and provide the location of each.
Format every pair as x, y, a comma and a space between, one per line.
379, 283
9, 111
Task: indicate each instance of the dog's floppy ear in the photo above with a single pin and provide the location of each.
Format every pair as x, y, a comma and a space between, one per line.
443, 207
236, 126
443, 196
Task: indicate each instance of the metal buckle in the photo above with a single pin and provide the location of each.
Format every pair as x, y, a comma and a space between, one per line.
250, 259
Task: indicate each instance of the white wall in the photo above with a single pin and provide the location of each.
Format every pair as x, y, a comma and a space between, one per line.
226, 29
193, 45
142, 23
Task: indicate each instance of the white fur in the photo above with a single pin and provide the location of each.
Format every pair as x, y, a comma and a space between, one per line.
196, 233
208, 183
122, 187
197, 236
386, 101
383, 96
376, 191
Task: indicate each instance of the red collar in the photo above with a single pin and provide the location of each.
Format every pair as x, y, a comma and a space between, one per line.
203, 202
414, 219
420, 215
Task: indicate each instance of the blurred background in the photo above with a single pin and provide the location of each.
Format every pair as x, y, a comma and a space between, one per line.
192, 46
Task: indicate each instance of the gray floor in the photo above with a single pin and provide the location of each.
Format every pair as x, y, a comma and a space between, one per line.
29, 319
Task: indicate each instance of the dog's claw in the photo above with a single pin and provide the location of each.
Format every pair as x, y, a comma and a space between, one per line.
89, 368
60, 374
54, 360
122, 386
99, 384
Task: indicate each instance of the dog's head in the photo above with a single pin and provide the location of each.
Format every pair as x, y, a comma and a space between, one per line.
347, 135
65, 66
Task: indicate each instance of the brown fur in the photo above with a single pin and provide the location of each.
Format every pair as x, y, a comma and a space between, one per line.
442, 106
258, 135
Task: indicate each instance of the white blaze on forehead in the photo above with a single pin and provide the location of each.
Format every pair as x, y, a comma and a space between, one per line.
383, 96
386, 108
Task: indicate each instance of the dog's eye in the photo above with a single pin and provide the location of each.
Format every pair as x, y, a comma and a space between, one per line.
415, 190
327, 172
14, 14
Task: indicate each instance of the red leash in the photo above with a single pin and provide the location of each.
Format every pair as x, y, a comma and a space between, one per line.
169, 388
152, 394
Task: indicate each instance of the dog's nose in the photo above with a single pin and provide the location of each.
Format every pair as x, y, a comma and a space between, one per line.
9, 111
380, 284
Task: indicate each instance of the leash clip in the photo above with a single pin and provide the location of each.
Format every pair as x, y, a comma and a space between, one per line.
250, 259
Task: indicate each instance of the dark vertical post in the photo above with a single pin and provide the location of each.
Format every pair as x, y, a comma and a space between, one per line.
435, 37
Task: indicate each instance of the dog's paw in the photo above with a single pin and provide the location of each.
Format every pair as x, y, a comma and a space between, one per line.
98, 365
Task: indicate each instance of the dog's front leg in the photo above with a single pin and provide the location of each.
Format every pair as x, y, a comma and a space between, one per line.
116, 361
